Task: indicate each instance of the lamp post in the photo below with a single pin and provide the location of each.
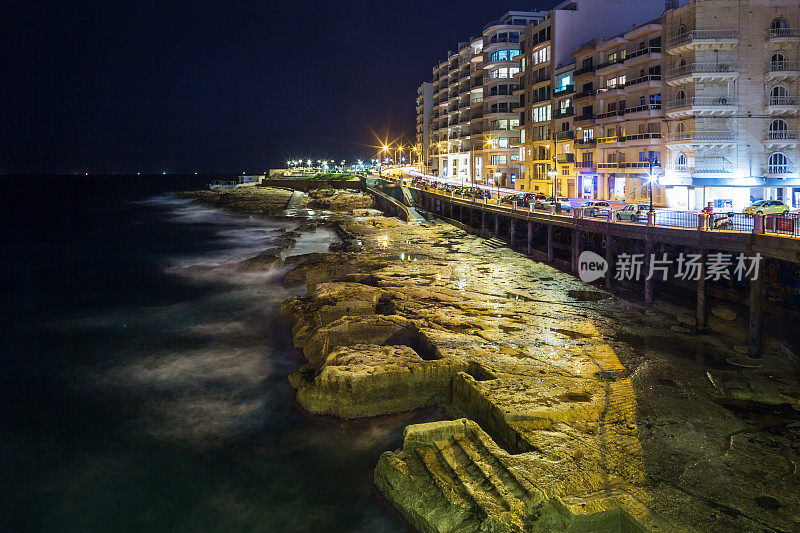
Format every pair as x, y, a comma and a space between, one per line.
651, 178
497, 176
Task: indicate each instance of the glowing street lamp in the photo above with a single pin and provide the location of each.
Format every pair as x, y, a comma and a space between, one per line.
652, 177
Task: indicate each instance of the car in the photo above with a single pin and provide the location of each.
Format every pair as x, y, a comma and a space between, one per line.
561, 201
633, 213
767, 207
596, 209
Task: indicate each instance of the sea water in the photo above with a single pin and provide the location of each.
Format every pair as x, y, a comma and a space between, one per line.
144, 375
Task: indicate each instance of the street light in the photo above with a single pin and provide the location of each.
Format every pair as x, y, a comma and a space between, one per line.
497, 176
651, 177
554, 174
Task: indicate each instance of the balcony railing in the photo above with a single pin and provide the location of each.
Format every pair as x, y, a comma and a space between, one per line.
781, 169
702, 136
704, 35
643, 79
584, 70
702, 68
584, 164
583, 94
585, 141
780, 135
781, 100
585, 116
626, 138
566, 112
783, 66
564, 89
783, 33
710, 101
645, 107
565, 135
643, 51
608, 114
605, 64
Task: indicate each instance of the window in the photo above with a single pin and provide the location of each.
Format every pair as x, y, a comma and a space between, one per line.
779, 28
516, 158
779, 96
655, 99
502, 142
680, 162
778, 63
680, 30
778, 129
494, 160
541, 56
541, 114
588, 134
680, 95
778, 164
680, 128
611, 58
503, 159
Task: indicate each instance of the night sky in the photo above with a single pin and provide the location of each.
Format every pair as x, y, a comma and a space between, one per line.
225, 86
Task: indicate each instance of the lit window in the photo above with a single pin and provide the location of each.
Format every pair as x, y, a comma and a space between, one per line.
778, 164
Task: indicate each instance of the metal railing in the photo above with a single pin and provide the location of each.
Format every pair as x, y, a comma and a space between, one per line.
783, 66
702, 136
712, 101
783, 33
607, 114
565, 89
645, 107
636, 81
781, 169
561, 135
781, 100
643, 51
780, 135
703, 68
566, 112
605, 64
783, 224
584, 70
704, 35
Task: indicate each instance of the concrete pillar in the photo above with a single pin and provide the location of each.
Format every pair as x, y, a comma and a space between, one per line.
576, 249
512, 231
648, 283
451, 209
609, 260
483, 219
550, 254
496, 225
756, 299
701, 292
530, 238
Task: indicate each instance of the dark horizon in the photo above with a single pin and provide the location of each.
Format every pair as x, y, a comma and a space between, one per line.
151, 88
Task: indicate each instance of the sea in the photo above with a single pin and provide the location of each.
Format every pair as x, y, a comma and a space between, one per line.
143, 376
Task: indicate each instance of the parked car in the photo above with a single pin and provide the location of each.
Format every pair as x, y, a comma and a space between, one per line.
511, 198
767, 207
561, 201
596, 209
633, 212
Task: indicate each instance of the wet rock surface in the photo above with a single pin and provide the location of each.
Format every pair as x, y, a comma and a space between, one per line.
573, 410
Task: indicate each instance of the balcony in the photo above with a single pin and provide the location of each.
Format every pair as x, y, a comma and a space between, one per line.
781, 170
611, 116
703, 40
584, 94
644, 111
564, 90
643, 56
643, 83
585, 143
607, 67
702, 71
783, 70
782, 35
584, 117
780, 139
584, 70
565, 135
782, 105
585, 165
565, 159
563, 113
606, 92
702, 105
701, 139
638, 139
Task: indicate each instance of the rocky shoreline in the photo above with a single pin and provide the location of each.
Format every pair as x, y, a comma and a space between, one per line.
573, 410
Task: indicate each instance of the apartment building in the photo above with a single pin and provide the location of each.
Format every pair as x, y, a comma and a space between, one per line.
620, 123
548, 124
732, 82
423, 130
473, 125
